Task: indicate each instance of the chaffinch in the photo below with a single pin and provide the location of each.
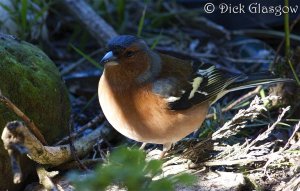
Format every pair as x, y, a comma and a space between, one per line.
155, 98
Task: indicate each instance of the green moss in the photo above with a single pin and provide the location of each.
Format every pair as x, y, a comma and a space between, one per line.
32, 81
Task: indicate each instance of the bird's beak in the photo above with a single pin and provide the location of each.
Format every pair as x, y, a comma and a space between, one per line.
109, 57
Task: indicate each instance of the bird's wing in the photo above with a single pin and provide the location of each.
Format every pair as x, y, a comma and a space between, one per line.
204, 83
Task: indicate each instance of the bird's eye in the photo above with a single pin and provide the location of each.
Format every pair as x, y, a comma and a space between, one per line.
129, 53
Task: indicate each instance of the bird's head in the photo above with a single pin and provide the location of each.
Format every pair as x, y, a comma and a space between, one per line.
130, 60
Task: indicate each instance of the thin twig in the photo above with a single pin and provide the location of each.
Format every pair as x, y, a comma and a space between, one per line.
247, 61
269, 130
293, 184
24, 117
268, 158
277, 154
91, 123
73, 149
238, 122
86, 162
296, 128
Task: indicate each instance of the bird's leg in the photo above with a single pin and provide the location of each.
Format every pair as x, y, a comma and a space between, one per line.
143, 146
166, 148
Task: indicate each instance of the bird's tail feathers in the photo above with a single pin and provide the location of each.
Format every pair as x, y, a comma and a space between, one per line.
264, 78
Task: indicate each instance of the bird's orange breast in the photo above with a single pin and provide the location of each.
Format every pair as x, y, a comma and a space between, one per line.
143, 116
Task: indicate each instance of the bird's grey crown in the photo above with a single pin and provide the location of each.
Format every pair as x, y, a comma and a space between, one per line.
121, 42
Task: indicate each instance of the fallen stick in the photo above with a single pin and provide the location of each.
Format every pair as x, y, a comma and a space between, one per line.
96, 26
51, 155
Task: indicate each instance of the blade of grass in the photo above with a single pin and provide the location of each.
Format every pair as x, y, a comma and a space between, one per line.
294, 23
87, 57
241, 105
294, 72
262, 94
40, 14
141, 22
284, 124
293, 151
293, 120
24, 8
287, 31
7, 8
90, 101
121, 11
156, 40
288, 42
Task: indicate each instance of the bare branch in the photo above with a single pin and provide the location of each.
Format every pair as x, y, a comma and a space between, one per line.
47, 154
96, 26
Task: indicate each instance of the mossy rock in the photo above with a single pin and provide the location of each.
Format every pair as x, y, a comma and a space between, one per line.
32, 82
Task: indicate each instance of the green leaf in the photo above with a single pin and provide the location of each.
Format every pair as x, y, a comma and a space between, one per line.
153, 167
161, 185
128, 168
